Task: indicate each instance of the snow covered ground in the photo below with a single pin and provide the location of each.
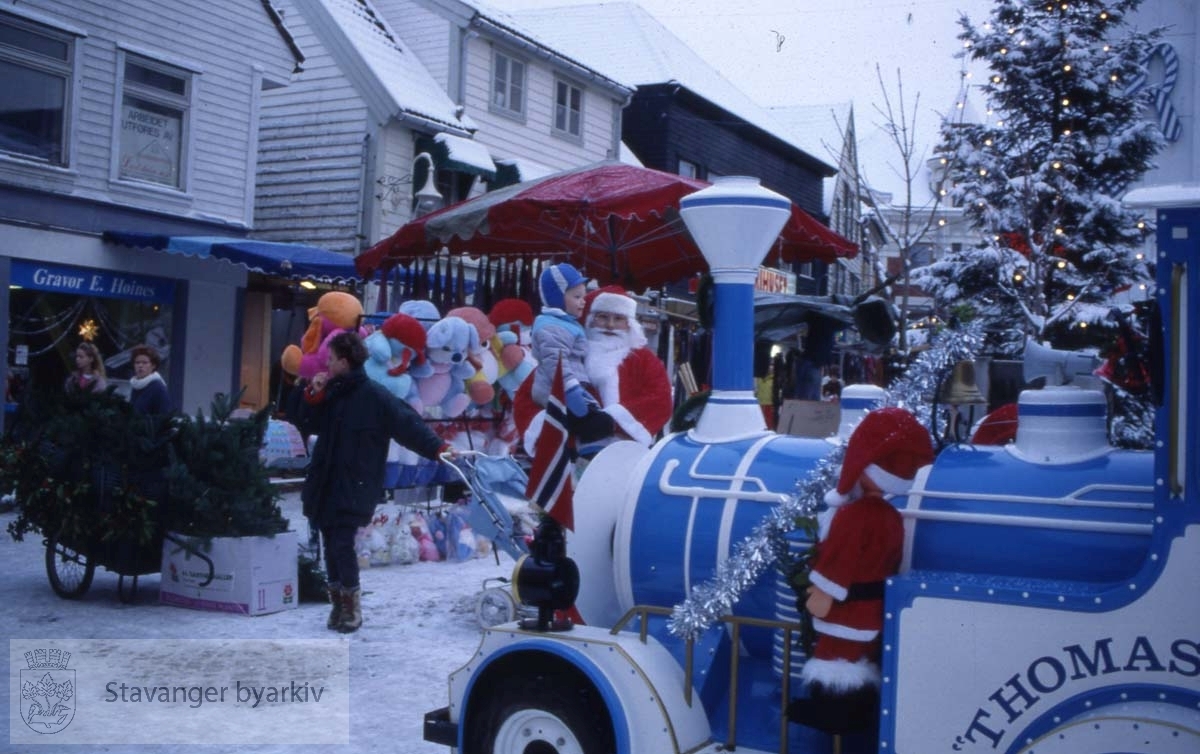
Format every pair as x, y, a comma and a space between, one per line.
419, 626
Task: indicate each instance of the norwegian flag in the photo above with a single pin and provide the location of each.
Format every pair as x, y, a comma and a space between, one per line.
551, 477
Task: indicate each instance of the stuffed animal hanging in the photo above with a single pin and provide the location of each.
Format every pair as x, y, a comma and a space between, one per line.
447, 349
396, 357
512, 319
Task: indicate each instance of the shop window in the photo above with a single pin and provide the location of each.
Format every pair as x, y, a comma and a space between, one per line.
153, 124
508, 84
36, 66
52, 308
568, 110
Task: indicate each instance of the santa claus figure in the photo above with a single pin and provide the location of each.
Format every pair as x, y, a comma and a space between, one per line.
860, 544
627, 378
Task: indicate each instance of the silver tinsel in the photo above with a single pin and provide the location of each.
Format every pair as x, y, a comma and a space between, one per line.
766, 544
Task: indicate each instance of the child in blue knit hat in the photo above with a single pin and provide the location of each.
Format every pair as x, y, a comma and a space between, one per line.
558, 337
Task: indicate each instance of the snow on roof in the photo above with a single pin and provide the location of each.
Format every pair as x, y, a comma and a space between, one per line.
628, 44
507, 21
467, 151
411, 89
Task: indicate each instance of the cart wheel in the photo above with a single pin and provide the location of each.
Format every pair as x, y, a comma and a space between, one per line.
495, 606
70, 571
128, 596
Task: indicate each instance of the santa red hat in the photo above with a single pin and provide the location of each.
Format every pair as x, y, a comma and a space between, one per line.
509, 310
889, 445
408, 331
612, 299
998, 427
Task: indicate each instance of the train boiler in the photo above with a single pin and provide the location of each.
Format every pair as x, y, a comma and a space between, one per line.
1047, 601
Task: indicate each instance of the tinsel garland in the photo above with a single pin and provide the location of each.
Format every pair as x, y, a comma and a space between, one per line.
766, 544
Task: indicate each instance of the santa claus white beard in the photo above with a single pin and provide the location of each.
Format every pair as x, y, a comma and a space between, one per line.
606, 350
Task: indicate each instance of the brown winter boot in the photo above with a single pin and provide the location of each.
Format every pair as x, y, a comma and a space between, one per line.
351, 610
335, 601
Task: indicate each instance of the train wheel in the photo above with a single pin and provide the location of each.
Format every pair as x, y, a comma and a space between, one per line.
70, 571
544, 715
495, 606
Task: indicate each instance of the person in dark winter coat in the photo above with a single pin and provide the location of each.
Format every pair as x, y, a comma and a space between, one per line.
149, 392
353, 418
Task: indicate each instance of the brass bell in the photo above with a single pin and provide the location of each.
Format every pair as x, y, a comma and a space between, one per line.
961, 390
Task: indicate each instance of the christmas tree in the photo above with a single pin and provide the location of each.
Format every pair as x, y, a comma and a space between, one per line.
1042, 179
219, 486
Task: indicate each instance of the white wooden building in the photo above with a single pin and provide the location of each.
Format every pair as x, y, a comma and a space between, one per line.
130, 116
387, 80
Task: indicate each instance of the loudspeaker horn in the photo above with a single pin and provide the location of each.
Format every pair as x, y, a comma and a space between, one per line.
1058, 367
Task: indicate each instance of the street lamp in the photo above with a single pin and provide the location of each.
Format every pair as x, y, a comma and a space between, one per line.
428, 198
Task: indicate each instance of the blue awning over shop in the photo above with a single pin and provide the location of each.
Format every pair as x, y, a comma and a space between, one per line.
288, 260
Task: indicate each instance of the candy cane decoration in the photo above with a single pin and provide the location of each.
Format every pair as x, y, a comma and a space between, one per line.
1168, 118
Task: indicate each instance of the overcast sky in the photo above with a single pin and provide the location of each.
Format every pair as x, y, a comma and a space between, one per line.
784, 52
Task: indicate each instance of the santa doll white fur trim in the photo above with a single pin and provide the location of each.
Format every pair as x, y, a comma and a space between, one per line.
840, 676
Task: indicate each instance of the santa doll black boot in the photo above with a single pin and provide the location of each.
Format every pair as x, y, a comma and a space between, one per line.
837, 713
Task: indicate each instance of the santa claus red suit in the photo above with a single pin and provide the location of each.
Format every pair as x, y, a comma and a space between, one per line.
860, 544
629, 380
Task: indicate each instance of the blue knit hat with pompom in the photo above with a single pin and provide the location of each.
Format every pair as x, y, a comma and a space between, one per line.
556, 280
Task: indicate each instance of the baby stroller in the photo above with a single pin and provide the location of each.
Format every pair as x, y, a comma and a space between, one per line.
496, 483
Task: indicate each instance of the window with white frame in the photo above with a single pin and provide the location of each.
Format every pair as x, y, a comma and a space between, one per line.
688, 169
568, 109
508, 84
153, 121
36, 66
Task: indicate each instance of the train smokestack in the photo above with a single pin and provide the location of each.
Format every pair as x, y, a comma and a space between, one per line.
734, 222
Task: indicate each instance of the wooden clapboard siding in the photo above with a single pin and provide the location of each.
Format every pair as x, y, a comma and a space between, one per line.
223, 42
532, 138
311, 152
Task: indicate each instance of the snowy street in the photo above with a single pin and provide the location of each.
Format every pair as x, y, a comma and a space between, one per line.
419, 625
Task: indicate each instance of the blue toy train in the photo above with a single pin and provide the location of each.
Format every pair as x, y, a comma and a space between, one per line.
1047, 603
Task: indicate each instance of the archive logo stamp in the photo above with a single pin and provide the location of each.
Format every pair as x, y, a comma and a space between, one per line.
47, 690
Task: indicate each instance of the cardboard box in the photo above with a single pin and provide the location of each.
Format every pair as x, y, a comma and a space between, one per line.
809, 418
249, 576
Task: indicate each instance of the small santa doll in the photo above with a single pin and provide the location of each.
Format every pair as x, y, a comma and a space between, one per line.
860, 543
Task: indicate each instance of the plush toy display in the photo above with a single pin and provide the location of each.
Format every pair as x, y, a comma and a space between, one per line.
512, 318
448, 346
396, 357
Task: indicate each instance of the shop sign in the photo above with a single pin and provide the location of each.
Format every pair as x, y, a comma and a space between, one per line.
85, 282
775, 281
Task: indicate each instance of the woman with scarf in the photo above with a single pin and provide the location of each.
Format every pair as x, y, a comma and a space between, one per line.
149, 391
